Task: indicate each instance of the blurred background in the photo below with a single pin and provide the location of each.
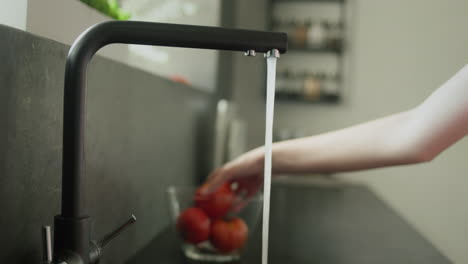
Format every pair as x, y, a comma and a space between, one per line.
349, 61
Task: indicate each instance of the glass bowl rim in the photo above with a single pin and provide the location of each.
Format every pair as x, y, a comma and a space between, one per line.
172, 190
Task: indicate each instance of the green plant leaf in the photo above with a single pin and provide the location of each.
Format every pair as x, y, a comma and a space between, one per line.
109, 8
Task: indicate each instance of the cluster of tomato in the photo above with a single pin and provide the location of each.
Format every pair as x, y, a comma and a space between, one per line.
209, 220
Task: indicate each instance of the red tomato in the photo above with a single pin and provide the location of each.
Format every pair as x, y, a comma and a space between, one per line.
216, 204
229, 235
194, 225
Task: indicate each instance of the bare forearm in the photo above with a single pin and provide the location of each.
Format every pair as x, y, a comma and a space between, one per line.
413, 136
364, 146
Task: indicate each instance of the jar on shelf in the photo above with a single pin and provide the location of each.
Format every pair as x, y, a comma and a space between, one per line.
312, 87
316, 34
299, 36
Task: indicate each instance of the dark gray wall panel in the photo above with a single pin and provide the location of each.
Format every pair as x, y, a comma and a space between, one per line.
143, 134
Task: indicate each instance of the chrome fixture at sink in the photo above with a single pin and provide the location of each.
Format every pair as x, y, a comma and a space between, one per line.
72, 243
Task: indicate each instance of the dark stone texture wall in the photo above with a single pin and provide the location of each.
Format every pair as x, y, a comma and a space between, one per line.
143, 133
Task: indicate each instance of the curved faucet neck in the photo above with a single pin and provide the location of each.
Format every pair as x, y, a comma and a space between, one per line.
132, 32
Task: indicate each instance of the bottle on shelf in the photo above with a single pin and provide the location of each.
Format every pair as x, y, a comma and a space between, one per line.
331, 87
297, 85
280, 81
316, 35
288, 89
335, 35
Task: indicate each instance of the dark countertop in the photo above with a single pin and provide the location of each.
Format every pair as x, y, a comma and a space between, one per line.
334, 224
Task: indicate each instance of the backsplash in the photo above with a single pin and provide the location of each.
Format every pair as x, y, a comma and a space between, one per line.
143, 133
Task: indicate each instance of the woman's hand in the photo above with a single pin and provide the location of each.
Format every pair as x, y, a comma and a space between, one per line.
246, 172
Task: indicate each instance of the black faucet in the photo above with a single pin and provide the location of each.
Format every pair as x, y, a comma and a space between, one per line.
72, 243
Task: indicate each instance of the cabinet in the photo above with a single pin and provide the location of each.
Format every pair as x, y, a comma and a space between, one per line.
312, 70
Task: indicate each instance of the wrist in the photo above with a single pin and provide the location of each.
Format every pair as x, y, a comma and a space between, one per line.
259, 158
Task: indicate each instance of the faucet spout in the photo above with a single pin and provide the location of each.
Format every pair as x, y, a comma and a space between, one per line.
73, 221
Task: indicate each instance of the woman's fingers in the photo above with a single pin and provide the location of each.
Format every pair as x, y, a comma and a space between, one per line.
249, 186
216, 179
246, 188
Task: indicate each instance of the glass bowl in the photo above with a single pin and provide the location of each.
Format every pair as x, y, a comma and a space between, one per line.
181, 198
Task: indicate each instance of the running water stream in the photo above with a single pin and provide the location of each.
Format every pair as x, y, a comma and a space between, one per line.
270, 103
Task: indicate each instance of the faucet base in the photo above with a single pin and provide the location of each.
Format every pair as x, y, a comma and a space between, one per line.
71, 239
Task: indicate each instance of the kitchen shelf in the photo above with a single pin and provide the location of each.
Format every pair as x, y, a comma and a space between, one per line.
283, 97
304, 31
337, 50
308, 1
